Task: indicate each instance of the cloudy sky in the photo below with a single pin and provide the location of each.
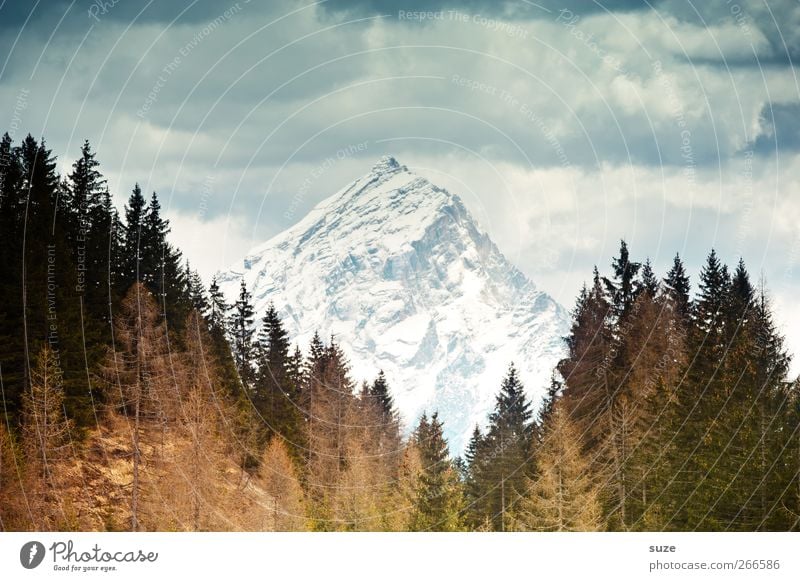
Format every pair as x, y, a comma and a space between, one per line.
564, 125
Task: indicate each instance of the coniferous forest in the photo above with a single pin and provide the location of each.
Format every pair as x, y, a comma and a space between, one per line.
134, 398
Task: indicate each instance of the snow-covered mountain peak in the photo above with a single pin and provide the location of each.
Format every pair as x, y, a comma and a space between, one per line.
386, 165
400, 272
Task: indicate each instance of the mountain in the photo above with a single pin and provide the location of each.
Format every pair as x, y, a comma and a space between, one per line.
398, 270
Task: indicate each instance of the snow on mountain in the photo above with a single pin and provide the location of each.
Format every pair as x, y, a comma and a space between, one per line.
397, 269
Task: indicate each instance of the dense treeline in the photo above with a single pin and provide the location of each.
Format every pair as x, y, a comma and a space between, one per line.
668, 413
136, 399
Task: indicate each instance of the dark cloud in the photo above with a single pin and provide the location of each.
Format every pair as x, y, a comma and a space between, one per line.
777, 20
14, 13
519, 9
82, 13
780, 128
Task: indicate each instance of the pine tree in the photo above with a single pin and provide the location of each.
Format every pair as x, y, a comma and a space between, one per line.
93, 237
296, 371
379, 392
154, 234
438, 498
475, 499
701, 436
752, 457
85, 188
132, 245
161, 266
624, 287
217, 308
678, 289
741, 299
714, 291
649, 282
241, 329
317, 353
587, 368
217, 322
10, 178
276, 395
776, 419
503, 454
554, 392
12, 222
103, 256
196, 291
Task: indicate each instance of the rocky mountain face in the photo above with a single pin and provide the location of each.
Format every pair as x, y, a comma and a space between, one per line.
399, 272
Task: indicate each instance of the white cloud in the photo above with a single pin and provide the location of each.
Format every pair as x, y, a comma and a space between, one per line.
211, 245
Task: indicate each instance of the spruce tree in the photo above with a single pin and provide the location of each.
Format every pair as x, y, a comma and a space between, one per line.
132, 251
714, 286
379, 392
276, 395
241, 329
678, 288
587, 369
93, 239
741, 297
475, 498
296, 369
154, 234
702, 401
755, 457
12, 214
506, 447
624, 287
217, 308
649, 282
161, 268
438, 498
196, 291
85, 185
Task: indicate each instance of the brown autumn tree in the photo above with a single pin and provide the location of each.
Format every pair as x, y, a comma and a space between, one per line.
45, 442
373, 451
284, 508
398, 512
193, 470
563, 495
13, 513
656, 359
140, 385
